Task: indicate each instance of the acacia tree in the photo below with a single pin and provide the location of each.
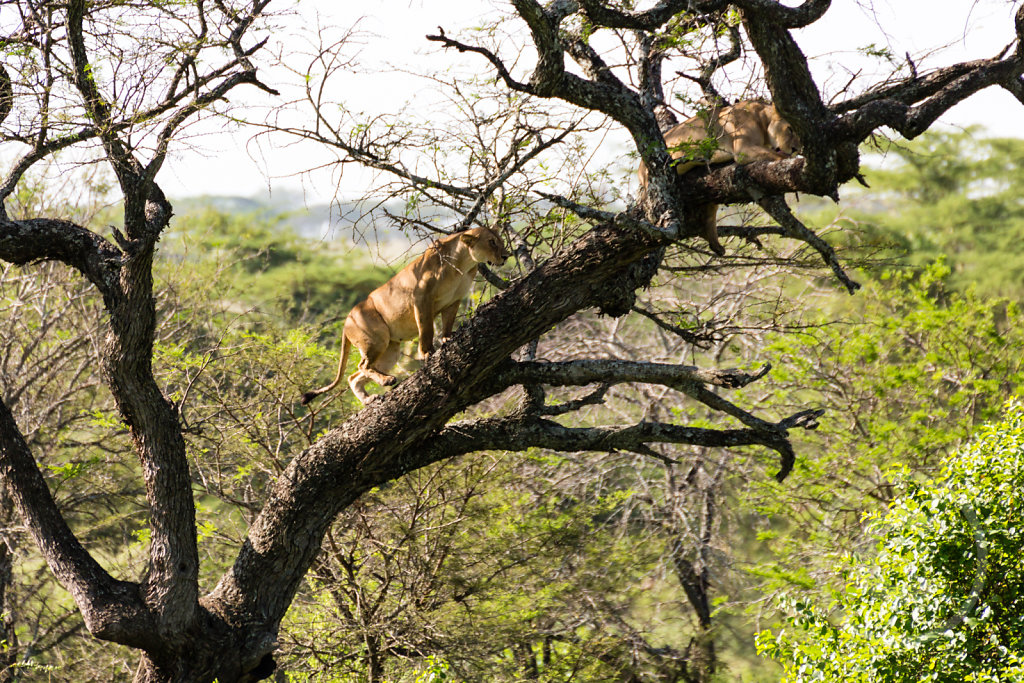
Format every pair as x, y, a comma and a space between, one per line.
129, 76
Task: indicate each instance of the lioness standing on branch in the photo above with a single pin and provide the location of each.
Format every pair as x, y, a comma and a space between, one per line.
745, 132
405, 306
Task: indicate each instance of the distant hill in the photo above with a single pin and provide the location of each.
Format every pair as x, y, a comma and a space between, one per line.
365, 224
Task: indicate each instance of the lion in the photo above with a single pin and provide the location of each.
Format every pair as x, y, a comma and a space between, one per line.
405, 306
745, 132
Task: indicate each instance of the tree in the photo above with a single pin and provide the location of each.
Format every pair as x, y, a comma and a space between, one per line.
950, 195
130, 77
941, 600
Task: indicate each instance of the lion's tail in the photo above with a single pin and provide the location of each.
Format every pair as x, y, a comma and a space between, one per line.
346, 347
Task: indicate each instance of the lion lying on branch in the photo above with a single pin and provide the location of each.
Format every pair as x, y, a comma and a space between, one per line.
745, 132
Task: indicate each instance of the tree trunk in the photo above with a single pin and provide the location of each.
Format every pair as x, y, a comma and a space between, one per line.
236, 627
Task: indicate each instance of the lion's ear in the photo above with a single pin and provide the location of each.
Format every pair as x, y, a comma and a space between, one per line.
469, 238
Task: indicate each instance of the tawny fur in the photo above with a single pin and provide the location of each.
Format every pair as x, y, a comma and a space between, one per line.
405, 306
745, 132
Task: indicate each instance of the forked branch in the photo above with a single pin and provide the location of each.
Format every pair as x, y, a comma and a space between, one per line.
520, 432
112, 609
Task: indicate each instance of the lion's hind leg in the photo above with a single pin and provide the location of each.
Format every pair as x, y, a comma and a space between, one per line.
377, 359
377, 368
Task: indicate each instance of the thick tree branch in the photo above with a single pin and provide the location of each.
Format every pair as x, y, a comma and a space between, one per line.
602, 269
162, 613
46, 239
686, 379
647, 20
580, 372
937, 92
112, 609
787, 17
127, 356
548, 77
6, 94
794, 92
652, 90
736, 184
910, 121
913, 89
171, 588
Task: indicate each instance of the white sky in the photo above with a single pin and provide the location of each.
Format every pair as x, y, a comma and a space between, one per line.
969, 29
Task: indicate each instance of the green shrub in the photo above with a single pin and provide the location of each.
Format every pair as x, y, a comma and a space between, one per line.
943, 599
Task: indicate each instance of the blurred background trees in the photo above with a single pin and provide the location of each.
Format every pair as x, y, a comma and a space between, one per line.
544, 566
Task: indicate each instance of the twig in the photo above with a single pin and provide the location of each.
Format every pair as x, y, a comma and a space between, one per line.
777, 208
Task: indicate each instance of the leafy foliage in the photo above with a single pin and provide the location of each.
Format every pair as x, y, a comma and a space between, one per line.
907, 376
942, 600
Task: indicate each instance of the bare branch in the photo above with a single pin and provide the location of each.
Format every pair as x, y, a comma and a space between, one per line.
510, 165
202, 101
622, 218
368, 158
595, 397
777, 208
521, 432
43, 146
714, 97
490, 56
701, 341
125, 166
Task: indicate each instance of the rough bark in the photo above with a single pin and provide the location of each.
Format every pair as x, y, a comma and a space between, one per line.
384, 440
